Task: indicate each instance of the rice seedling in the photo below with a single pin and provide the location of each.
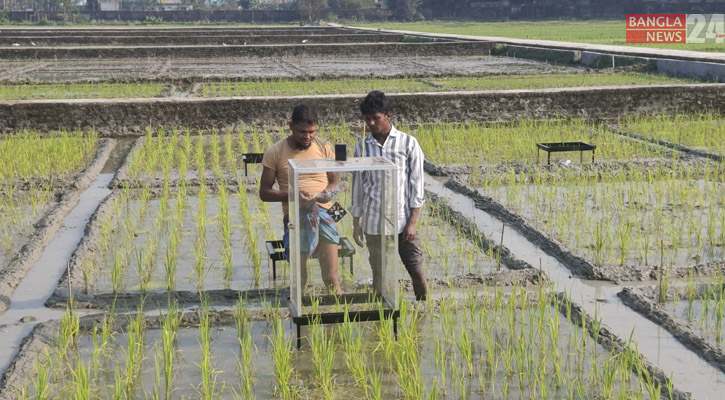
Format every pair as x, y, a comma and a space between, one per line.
323, 357
704, 131
285, 86
72, 90
246, 349
625, 219
170, 323
282, 352
475, 144
209, 388
51, 157
134, 354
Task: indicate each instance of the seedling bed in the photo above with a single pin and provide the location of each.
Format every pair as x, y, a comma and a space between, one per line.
236, 67
704, 132
638, 219
499, 345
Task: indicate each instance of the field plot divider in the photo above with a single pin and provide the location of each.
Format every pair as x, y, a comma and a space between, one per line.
577, 265
46, 228
86, 245
471, 231
610, 341
634, 299
675, 146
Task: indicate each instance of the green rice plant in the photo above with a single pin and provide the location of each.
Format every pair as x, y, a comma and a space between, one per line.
68, 333
54, 156
226, 230
282, 355
81, 382
246, 349
323, 357
702, 131
43, 375
209, 388
73, 90
170, 323
134, 354
286, 86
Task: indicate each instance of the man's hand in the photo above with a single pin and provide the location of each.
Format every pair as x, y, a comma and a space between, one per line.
306, 199
409, 231
357, 232
323, 197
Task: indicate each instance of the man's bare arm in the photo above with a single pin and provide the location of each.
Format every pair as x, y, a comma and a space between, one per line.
266, 192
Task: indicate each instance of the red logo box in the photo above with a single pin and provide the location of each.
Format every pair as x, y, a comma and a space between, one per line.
656, 28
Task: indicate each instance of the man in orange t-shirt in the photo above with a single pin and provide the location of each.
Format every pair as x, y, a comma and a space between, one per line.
302, 143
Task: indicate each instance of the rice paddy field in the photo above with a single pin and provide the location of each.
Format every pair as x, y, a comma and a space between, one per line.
636, 205
33, 168
509, 344
169, 290
590, 31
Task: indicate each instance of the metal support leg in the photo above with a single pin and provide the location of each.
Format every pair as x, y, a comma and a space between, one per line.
299, 337
274, 270
395, 327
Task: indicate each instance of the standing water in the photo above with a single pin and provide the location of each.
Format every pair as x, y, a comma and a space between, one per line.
27, 305
688, 372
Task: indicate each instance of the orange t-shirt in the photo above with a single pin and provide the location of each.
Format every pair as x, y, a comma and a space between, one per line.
275, 158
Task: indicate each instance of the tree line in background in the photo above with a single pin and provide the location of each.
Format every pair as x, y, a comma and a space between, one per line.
404, 10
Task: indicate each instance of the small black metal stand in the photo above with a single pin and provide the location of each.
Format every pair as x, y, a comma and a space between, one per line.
549, 148
339, 316
251, 158
275, 251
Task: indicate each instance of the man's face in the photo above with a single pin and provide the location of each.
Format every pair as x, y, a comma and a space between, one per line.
302, 134
378, 123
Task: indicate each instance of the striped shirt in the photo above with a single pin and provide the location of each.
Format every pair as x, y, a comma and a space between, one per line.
405, 152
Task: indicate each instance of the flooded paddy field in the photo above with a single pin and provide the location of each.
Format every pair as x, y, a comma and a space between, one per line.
626, 210
166, 289
509, 343
36, 173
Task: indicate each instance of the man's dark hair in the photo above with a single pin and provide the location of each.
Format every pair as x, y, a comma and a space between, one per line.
375, 102
304, 113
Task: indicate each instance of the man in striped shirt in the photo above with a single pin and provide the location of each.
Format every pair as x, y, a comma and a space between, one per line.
405, 152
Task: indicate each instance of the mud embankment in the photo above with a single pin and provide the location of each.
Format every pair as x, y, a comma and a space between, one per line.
640, 300
194, 40
377, 50
132, 116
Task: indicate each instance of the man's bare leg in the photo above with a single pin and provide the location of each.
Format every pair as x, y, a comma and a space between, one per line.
327, 253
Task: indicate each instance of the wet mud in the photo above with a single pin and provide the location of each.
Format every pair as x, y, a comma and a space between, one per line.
217, 69
46, 228
640, 300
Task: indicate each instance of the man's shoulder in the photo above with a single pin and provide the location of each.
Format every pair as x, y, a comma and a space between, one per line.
273, 153
407, 138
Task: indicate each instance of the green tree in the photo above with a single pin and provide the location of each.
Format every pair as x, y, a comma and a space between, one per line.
406, 10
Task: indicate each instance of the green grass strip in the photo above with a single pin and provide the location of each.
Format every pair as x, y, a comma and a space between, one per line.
290, 87
80, 91
610, 32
